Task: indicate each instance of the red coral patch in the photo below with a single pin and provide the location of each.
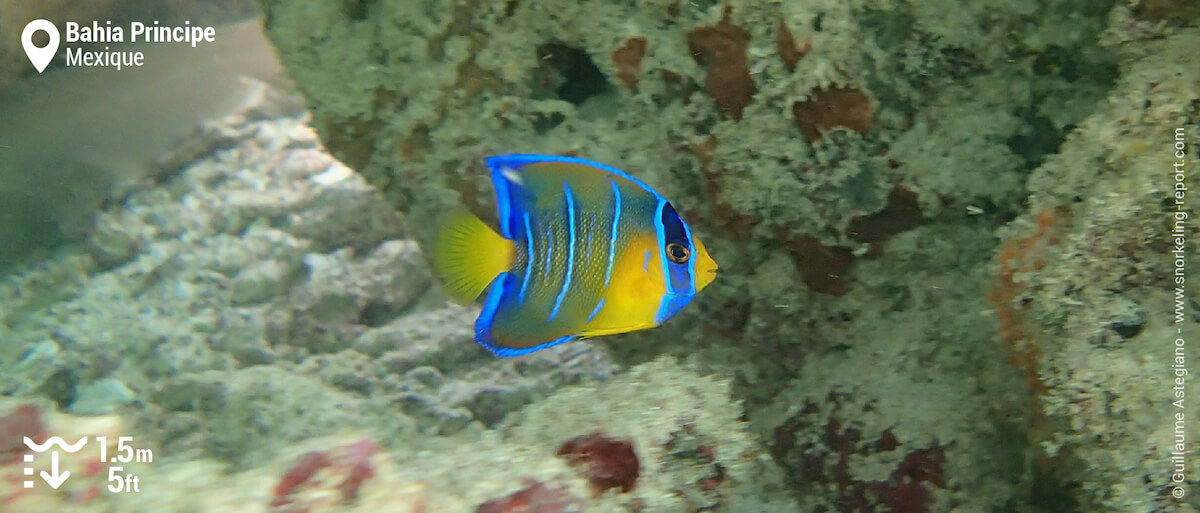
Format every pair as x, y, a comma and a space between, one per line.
344, 469
535, 498
605, 462
823, 456
23, 421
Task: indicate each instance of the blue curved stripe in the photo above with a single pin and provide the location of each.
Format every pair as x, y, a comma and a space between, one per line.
612, 240
691, 264
528, 259
562, 293
595, 310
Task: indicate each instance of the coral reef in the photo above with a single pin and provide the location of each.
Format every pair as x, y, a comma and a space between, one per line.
849, 162
259, 282
944, 249
682, 425
1087, 294
659, 438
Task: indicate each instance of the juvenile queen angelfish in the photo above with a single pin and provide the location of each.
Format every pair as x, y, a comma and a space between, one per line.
584, 250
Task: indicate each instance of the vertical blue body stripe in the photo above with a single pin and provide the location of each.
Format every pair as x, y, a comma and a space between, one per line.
612, 241
661, 232
528, 259
562, 293
691, 264
549, 248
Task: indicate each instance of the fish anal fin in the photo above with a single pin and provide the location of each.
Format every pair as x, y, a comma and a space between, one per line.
600, 330
504, 328
518, 351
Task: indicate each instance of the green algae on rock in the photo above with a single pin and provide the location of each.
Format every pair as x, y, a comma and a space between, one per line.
1098, 307
856, 192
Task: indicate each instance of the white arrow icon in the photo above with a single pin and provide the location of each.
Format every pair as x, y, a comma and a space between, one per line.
40, 57
53, 478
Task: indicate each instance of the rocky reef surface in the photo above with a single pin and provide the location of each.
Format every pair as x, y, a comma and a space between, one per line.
257, 294
924, 211
658, 438
945, 232
1096, 295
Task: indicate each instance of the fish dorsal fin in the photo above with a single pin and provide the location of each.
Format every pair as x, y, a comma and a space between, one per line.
527, 182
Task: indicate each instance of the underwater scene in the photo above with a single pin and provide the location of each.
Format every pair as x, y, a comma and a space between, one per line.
599, 256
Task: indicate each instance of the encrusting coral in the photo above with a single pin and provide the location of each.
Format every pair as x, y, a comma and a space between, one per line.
673, 444
850, 160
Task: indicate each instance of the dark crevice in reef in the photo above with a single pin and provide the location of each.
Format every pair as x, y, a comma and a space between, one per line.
356, 10
1038, 139
569, 72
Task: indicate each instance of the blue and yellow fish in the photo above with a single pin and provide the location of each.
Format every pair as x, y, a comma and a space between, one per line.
584, 250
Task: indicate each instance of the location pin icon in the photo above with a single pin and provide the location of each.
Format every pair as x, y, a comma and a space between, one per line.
40, 57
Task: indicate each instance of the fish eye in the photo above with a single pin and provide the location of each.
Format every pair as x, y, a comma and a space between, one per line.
678, 253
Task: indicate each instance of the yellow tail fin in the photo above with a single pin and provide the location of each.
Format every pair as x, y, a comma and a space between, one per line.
469, 255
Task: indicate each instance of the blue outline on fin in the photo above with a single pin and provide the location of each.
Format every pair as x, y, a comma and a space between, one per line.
508, 352
483, 324
487, 315
562, 293
503, 201
517, 160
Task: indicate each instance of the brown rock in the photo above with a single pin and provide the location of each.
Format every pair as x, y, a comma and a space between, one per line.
628, 61
789, 49
722, 48
835, 107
